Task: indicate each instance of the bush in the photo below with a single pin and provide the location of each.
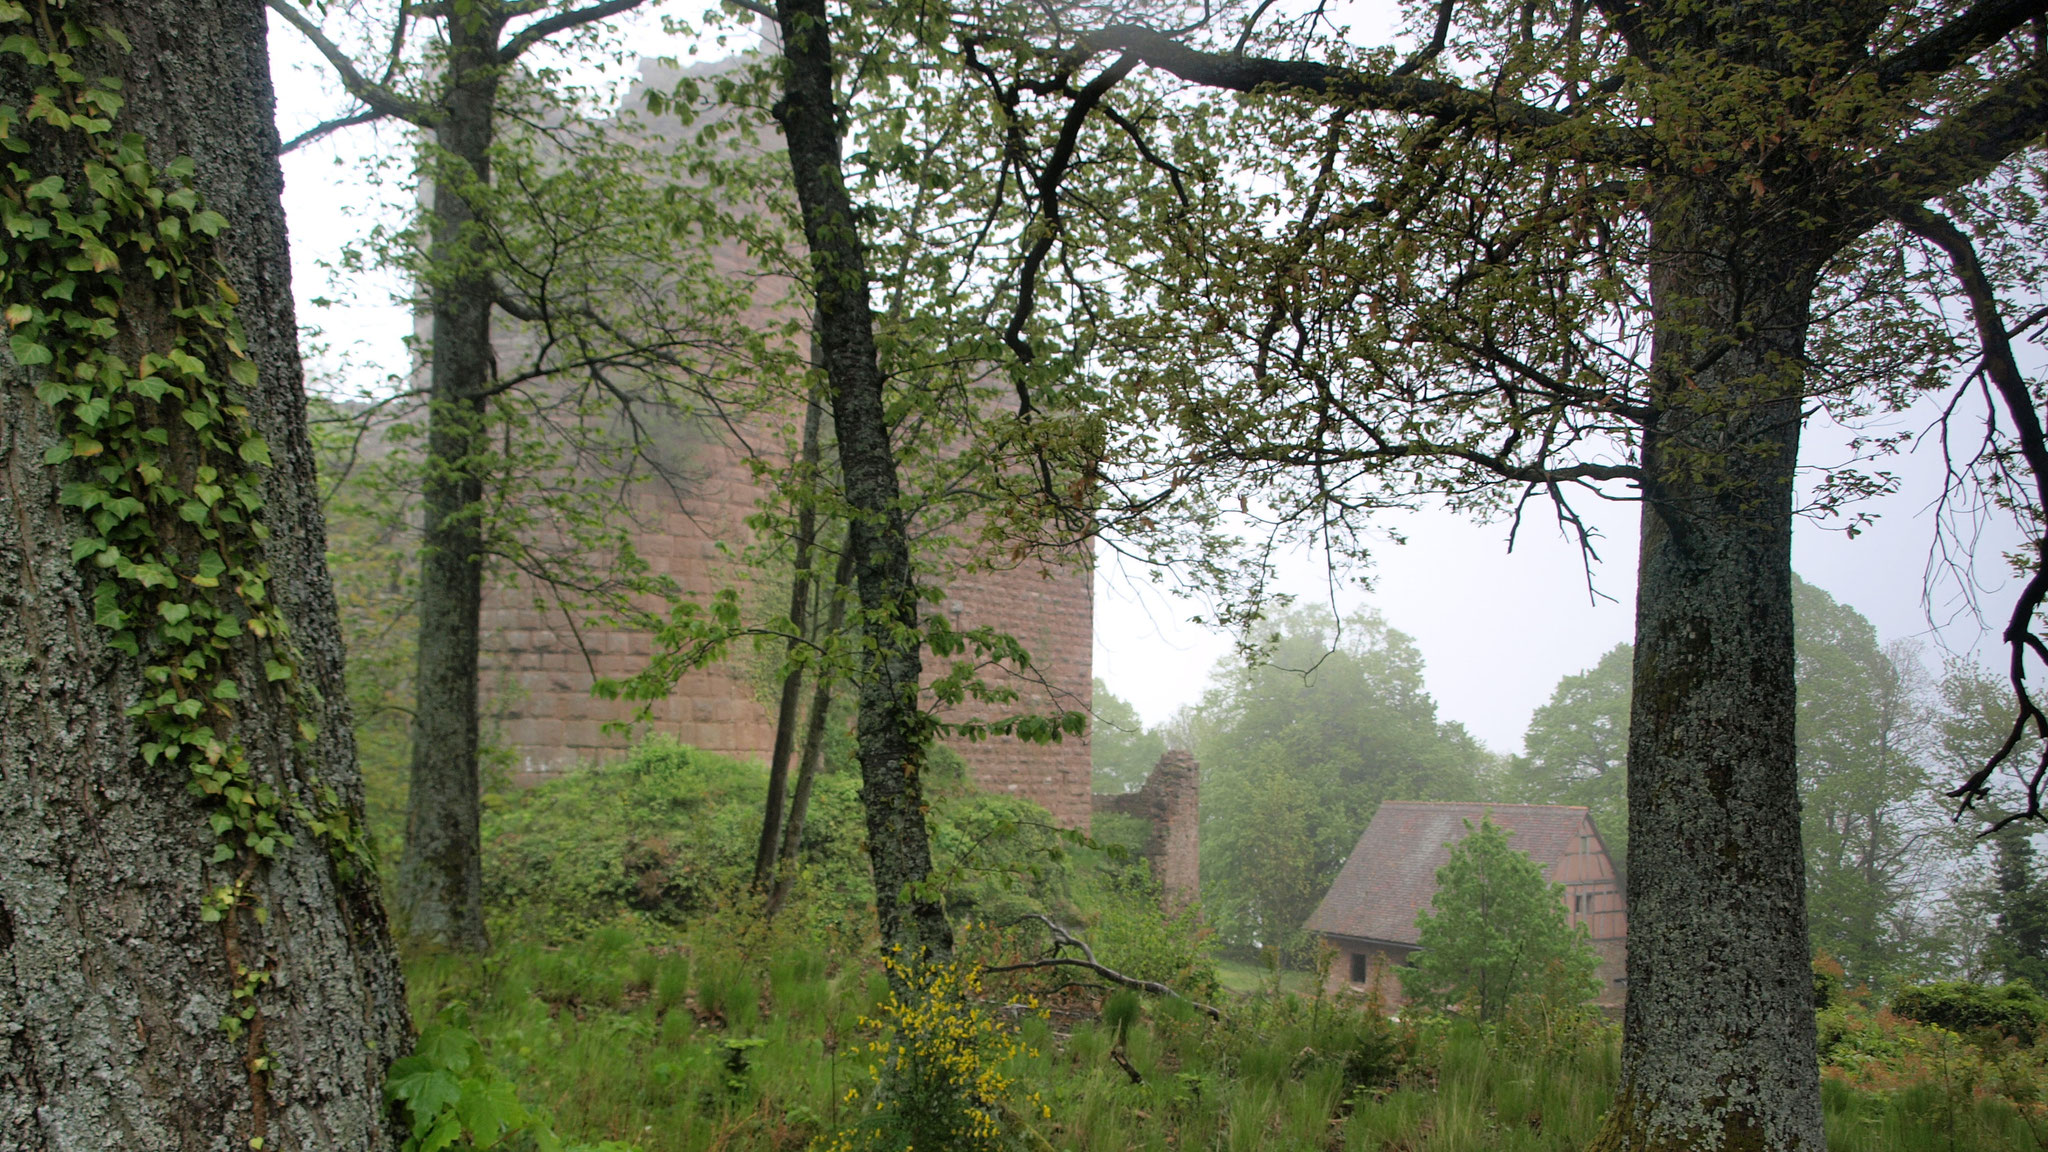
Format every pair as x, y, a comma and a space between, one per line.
940, 1069
2013, 1009
1496, 933
665, 834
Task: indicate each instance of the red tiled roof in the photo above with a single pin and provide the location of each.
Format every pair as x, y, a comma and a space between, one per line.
1391, 874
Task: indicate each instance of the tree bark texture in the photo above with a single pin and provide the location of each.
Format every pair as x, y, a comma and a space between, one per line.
112, 988
440, 877
893, 730
1719, 1049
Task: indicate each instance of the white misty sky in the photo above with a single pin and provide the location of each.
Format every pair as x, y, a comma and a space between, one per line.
1497, 629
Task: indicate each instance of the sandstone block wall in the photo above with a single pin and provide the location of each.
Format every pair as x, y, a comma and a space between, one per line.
1171, 802
539, 662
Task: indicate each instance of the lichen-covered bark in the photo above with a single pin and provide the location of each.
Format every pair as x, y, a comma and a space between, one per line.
440, 876
893, 731
1718, 1050
111, 987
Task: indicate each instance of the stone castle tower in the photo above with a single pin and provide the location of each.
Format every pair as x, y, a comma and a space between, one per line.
538, 663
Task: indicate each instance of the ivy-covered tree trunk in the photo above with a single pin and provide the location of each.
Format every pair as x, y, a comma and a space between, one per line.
144, 1001
893, 730
440, 878
1719, 1048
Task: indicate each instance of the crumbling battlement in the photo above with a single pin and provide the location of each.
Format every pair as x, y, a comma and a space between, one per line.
1170, 802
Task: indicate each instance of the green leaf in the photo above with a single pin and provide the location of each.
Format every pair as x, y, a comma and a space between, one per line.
276, 671
27, 352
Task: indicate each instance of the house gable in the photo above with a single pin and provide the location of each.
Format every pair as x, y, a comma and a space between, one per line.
1391, 875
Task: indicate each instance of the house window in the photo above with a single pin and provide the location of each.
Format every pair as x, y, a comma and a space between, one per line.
1358, 967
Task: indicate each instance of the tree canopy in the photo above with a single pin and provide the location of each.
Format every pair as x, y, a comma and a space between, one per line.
1122, 749
1297, 752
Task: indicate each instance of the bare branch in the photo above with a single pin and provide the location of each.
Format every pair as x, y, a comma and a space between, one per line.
1063, 939
2003, 370
1049, 208
1431, 50
540, 30
1389, 93
379, 98
1966, 145
366, 116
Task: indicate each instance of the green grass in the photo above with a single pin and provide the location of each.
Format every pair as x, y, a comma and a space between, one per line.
1249, 979
624, 1036
664, 1013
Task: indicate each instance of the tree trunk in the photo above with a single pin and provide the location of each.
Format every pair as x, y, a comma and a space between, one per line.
440, 877
893, 731
793, 679
115, 987
814, 746
1718, 1050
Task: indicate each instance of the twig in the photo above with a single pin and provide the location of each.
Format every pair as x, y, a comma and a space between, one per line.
1062, 939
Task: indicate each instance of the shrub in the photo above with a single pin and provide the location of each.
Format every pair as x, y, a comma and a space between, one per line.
1496, 933
2013, 1009
665, 834
937, 1069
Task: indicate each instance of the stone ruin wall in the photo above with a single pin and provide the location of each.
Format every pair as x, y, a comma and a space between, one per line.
537, 669
1170, 802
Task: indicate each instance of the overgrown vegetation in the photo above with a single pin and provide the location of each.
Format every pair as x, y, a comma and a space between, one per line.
637, 996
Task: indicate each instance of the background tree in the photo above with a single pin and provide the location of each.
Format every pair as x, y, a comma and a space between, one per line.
1876, 831
2018, 947
1624, 246
2013, 898
1575, 750
195, 951
1122, 750
1496, 933
1297, 753
1878, 840
589, 250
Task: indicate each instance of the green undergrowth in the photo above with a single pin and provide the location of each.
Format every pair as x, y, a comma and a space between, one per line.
732, 1036
638, 995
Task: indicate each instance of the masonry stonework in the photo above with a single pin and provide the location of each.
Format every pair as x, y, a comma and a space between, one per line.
539, 662
1170, 802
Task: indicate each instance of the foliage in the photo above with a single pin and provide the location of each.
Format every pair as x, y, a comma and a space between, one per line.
2014, 1009
939, 1067
451, 1098
612, 1036
665, 833
1298, 751
1894, 1082
1874, 826
1122, 750
1496, 935
1576, 748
